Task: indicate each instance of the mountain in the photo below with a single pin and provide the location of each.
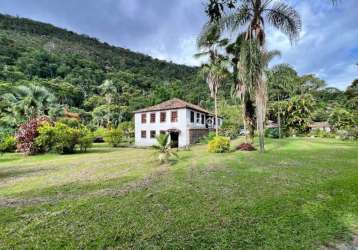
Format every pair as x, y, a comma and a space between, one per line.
40, 53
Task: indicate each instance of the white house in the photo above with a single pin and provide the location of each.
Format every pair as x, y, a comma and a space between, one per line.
185, 123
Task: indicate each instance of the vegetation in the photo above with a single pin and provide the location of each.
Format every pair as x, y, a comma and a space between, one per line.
219, 144
301, 195
164, 149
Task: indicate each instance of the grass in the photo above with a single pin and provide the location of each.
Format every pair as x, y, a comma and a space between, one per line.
301, 194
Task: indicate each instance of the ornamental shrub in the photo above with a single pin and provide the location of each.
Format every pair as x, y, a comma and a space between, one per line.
219, 144
26, 135
8, 144
66, 138
85, 139
114, 136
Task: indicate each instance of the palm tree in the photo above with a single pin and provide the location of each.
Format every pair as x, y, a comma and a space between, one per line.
215, 74
252, 15
163, 146
216, 71
30, 101
109, 90
283, 85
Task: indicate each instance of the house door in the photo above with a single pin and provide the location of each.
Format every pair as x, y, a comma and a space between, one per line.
174, 139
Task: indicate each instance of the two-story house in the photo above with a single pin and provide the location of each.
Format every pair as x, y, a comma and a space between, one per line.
186, 123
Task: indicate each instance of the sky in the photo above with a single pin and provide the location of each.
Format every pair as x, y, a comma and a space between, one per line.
167, 29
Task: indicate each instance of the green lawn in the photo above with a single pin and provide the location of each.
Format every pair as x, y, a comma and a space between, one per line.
300, 194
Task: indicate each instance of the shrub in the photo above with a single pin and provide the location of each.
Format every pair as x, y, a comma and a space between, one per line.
70, 122
128, 131
8, 144
85, 139
245, 147
349, 134
209, 137
99, 135
65, 138
272, 133
219, 144
230, 130
26, 135
114, 136
46, 138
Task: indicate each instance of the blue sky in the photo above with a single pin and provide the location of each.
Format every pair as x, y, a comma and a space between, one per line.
328, 45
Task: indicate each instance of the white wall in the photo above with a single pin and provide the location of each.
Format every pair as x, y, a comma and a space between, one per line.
181, 125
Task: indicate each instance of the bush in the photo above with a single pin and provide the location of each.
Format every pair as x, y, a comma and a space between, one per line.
26, 136
99, 135
63, 138
219, 144
85, 139
230, 130
8, 144
245, 147
322, 134
349, 134
272, 133
209, 137
114, 136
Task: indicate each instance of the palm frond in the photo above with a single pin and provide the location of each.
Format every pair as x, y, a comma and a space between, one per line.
285, 18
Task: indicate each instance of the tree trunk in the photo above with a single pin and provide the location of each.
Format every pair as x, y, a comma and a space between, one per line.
279, 119
216, 114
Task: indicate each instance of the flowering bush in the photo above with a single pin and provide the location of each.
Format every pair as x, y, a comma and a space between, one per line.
245, 147
26, 135
219, 144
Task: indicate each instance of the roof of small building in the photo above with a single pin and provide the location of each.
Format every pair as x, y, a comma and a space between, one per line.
319, 125
174, 103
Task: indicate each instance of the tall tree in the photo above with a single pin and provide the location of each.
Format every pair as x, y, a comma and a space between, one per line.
251, 16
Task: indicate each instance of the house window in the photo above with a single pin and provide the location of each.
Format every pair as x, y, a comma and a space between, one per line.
163, 116
192, 116
197, 118
152, 134
143, 134
162, 132
152, 118
202, 119
144, 118
174, 117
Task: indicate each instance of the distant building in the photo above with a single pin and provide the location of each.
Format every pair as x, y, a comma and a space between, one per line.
321, 126
185, 123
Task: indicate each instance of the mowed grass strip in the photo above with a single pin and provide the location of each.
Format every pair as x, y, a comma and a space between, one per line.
301, 194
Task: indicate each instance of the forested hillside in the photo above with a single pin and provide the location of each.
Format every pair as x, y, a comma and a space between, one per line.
72, 68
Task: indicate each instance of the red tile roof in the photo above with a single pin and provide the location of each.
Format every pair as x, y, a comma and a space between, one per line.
173, 104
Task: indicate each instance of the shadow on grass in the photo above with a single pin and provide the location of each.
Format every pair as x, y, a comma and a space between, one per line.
11, 172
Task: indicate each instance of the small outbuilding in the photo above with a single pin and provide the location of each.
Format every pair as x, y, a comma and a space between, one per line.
185, 123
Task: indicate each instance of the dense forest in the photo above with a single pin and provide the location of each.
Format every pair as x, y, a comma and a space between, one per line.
36, 57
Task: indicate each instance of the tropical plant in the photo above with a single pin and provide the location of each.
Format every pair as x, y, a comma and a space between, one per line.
251, 16
164, 149
215, 74
30, 101
341, 119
